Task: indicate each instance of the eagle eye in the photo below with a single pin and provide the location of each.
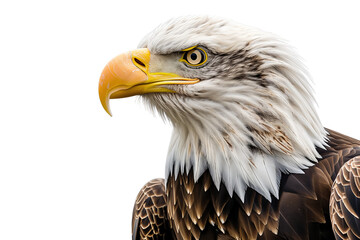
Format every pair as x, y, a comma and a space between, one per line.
194, 57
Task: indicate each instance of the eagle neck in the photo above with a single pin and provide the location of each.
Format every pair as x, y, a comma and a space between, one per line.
228, 153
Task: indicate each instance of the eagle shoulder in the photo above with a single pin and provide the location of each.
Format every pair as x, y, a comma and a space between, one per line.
305, 198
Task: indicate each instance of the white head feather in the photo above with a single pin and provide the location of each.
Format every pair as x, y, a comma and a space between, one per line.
252, 115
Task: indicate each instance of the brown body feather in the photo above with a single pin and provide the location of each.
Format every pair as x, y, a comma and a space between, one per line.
201, 211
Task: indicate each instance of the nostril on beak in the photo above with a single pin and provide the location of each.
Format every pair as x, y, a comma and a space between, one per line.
138, 61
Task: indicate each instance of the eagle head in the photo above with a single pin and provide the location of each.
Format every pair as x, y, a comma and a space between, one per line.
239, 99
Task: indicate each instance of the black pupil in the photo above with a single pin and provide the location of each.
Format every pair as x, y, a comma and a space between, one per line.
193, 56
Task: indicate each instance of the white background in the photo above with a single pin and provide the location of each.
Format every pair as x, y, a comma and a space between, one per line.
67, 169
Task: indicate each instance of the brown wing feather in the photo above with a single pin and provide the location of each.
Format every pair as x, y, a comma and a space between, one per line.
345, 201
149, 220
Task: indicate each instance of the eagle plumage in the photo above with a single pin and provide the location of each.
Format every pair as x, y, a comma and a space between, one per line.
249, 157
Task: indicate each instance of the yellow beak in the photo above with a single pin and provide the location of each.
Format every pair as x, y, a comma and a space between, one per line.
128, 74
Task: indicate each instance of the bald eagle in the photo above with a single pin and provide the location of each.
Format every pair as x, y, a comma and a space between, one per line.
249, 157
